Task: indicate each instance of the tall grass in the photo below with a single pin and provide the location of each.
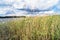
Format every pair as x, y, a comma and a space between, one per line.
31, 28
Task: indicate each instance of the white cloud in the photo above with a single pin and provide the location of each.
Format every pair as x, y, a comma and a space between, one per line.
19, 4
7, 1
47, 13
32, 4
41, 4
4, 10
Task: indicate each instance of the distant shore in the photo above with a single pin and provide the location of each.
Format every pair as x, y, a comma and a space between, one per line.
12, 16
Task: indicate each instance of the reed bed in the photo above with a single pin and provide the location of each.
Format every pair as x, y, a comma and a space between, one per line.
31, 28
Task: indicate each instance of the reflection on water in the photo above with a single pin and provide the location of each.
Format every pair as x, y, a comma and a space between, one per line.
2, 20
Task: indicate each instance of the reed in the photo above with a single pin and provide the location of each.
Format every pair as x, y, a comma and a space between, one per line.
31, 28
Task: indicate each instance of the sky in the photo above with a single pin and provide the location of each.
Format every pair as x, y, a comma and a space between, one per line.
29, 7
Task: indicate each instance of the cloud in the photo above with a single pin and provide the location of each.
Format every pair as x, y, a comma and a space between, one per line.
56, 8
20, 13
4, 10
6, 1
18, 4
58, 5
32, 4
41, 4
9, 7
5, 6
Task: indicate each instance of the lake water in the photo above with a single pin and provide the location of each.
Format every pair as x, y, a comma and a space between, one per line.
6, 19
3, 20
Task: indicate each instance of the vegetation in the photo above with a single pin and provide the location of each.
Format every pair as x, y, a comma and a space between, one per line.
31, 28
